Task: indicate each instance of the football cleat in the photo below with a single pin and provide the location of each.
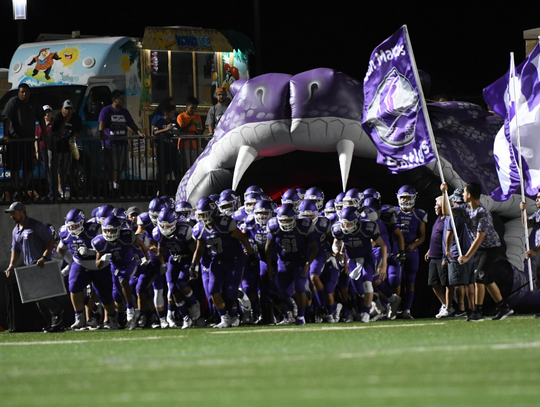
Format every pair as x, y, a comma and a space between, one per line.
225, 322
188, 322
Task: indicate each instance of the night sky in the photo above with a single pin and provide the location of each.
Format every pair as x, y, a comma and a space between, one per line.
464, 48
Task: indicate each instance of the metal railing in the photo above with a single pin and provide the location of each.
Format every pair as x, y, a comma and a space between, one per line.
145, 168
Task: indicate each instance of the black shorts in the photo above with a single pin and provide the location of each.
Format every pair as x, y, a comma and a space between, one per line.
484, 260
437, 273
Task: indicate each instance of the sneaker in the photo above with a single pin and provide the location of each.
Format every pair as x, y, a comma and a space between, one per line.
407, 314
377, 317
300, 321
288, 319
443, 312
247, 318
364, 317
337, 312
394, 306
57, 320
503, 313
295, 308
142, 321
137, 315
92, 323
460, 314
79, 323
225, 322
187, 322
195, 311
349, 318
235, 321
475, 317
131, 321
163, 323
329, 319
112, 323
171, 321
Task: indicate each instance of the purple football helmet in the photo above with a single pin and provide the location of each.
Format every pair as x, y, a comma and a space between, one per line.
308, 209
228, 202
75, 222
154, 207
291, 197
353, 197
250, 201
206, 210
301, 192
111, 228
372, 193
263, 211
317, 195
286, 216
253, 189
167, 221
349, 218
329, 208
104, 212
406, 197
184, 210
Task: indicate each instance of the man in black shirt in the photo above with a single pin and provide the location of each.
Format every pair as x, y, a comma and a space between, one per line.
20, 116
65, 125
165, 129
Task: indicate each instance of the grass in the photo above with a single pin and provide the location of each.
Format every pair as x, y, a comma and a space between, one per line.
398, 363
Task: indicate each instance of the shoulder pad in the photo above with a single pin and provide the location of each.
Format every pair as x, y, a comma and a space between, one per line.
336, 231
197, 229
239, 215
156, 234
272, 225
63, 232
249, 222
421, 214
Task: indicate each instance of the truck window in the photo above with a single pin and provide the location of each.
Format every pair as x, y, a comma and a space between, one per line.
98, 98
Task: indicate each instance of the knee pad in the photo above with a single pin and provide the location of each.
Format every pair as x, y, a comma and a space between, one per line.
368, 286
159, 301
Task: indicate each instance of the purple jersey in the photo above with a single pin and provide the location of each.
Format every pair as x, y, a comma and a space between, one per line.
116, 124
358, 243
178, 243
122, 249
217, 239
383, 230
409, 223
293, 245
240, 215
72, 243
388, 218
257, 234
321, 228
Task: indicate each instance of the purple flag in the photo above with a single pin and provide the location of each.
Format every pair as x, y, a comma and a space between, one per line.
522, 110
394, 116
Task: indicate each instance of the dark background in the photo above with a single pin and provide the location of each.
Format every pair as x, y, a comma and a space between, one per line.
463, 47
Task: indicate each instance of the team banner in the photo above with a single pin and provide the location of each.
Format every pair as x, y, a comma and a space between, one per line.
523, 111
394, 114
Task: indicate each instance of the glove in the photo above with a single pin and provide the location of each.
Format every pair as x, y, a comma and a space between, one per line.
163, 268
253, 260
402, 257
145, 261
83, 251
106, 257
176, 258
193, 270
65, 270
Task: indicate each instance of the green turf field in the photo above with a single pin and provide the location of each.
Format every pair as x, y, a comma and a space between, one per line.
398, 363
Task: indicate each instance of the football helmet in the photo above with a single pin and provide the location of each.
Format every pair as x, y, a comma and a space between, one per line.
317, 195
206, 210
301, 193
372, 203
184, 210
286, 216
406, 197
292, 197
104, 212
349, 218
338, 202
154, 207
111, 227
372, 193
329, 208
252, 189
308, 209
228, 202
120, 213
167, 221
168, 200
263, 211
353, 197
214, 197
75, 222
250, 201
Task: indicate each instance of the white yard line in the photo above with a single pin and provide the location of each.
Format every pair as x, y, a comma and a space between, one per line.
326, 328
77, 341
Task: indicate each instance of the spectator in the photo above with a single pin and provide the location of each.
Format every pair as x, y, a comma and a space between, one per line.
65, 125
158, 112
34, 241
114, 122
460, 276
217, 111
42, 146
438, 271
167, 159
190, 124
19, 116
534, 222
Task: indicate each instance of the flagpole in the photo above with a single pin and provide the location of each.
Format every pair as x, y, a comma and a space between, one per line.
512, 87
431, 136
